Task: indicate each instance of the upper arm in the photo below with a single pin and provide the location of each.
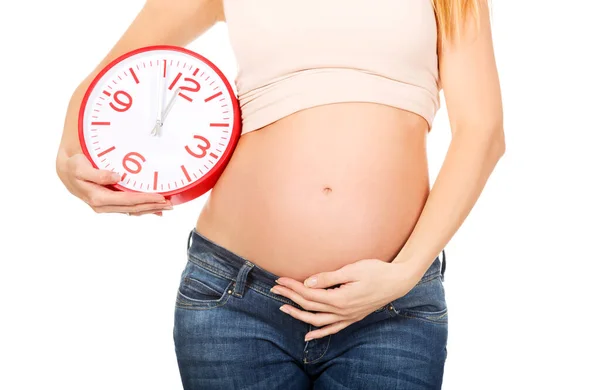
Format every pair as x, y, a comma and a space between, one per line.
167, 22
469, 77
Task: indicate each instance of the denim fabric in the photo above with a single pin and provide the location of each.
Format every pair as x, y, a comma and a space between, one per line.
230, 334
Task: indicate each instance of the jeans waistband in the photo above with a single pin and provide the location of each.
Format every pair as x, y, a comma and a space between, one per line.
227, 263
233, 266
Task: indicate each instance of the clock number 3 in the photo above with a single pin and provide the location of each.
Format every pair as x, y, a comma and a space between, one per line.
129, 160
195, 86
203, 148
123, 101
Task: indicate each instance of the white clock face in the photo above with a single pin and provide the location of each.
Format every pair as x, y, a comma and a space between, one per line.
161, 118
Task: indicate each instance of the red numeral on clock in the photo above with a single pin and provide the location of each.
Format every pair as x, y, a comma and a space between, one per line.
130, 158
194, 88
123, 101
203, 148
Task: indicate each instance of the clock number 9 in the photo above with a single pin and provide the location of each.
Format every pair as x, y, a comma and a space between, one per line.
203, 148
194, 88
123, 105
129, 159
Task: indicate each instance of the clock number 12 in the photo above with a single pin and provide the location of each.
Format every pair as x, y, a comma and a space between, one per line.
195, 86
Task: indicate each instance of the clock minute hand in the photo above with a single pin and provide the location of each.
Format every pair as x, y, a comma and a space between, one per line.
170, 105
159, 104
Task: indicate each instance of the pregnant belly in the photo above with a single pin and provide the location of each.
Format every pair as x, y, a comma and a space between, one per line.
321, 188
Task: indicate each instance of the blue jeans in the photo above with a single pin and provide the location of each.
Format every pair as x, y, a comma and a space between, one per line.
230, 334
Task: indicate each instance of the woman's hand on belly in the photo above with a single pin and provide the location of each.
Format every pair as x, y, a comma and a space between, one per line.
364, 286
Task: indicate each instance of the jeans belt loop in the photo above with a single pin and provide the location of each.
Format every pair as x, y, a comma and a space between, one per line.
242, 276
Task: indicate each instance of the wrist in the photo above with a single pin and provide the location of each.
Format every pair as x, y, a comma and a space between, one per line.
407, 273
413, 264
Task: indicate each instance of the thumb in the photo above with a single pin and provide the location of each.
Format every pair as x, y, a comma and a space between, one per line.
327, 279
84, 170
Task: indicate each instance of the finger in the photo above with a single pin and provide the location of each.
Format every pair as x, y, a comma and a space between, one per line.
316, 319
329, 297
98, 196
327, 330
137, 209
299, 299
83, 170
329, 279
151, 212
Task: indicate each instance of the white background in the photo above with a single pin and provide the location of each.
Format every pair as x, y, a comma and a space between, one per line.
87, 300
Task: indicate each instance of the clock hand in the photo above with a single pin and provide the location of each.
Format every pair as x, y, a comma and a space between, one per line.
159, 105
170, 105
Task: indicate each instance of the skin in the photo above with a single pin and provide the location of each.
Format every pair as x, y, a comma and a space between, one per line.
337, 245
316, 190
469, 78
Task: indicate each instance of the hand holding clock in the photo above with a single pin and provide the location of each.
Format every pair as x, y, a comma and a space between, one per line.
88, 184
141, 88
117, 170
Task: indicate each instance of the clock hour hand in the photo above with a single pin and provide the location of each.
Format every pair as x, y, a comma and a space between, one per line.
160, 121
170, 105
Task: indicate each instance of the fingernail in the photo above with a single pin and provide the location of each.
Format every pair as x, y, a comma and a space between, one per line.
168, 207
116, 177
307, 338
273, 290
310, 282
284, 309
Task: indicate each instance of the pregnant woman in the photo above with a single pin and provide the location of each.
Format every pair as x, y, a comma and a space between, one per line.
317, 261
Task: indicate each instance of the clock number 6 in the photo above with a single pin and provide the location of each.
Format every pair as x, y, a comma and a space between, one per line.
123, 105
194, 88
130, 159
203, 148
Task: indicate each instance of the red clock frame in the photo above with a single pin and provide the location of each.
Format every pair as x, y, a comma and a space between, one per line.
207, 182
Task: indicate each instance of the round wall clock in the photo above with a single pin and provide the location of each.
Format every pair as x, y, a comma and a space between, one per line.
163, 117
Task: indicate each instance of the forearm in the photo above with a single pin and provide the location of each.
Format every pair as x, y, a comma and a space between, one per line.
469, 162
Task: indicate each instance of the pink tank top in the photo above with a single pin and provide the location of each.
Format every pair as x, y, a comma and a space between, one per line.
292, 55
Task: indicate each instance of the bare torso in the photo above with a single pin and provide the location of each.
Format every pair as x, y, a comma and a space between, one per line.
321, 188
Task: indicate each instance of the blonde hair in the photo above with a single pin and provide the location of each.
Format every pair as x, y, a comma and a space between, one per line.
451, 16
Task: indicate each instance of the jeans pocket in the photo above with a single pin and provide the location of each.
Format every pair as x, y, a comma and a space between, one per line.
201, 289
426, 301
